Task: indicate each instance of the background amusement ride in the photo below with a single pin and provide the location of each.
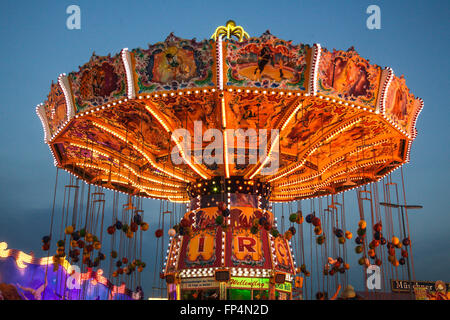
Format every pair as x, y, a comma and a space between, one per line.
340, 123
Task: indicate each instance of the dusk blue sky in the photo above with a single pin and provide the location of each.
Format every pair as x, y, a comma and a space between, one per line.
36, 47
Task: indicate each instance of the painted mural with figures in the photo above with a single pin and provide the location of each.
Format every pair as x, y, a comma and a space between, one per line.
346, 75
174, 64
101, 80
267, 62
401, 105
55, 108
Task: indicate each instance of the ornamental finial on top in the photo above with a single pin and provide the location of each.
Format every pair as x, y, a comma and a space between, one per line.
229, 30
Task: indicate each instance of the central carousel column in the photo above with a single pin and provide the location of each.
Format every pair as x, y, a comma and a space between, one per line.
227, 246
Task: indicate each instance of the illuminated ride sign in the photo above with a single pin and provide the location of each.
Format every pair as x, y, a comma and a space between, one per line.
257, 284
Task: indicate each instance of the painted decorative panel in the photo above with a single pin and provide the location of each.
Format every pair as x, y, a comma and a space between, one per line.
267, 62
345, 75
174, 64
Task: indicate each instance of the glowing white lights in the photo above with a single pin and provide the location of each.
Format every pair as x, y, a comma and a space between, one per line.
134, 145
126, 60
388, 75
314, 148
63, 82
317, 51
40, 111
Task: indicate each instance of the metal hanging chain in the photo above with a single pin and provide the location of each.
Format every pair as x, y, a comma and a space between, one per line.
157, 248
51, 224
407, 224
388, 214
326, 227
345, 247
316, 247
311, 252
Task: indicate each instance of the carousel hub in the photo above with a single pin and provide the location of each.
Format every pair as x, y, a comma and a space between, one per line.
227, 245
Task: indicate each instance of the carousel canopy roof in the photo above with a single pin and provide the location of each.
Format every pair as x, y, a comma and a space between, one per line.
341, 121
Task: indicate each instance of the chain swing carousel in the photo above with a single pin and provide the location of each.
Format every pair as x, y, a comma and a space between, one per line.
336, 123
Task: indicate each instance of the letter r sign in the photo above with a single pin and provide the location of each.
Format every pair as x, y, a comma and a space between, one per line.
246, 243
